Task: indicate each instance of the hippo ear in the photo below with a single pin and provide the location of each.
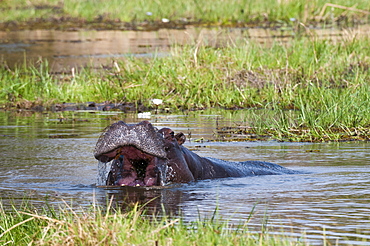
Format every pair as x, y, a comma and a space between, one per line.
180, 137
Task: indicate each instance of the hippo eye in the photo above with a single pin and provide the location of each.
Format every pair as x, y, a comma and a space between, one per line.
166, 148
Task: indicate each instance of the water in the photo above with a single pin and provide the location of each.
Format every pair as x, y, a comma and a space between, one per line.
65, 50
45, 158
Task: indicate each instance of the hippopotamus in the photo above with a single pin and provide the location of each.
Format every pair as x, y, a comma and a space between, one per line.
142, 155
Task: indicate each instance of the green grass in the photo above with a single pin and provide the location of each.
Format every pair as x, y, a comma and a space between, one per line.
319, 115
240, 75
308, 83
204, 11
97, 226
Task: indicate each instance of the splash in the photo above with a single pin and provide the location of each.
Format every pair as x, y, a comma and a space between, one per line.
103, 171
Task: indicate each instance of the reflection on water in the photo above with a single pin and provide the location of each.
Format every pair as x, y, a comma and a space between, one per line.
67, 49
44, 157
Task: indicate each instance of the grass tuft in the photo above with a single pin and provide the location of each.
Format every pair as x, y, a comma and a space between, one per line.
98, 226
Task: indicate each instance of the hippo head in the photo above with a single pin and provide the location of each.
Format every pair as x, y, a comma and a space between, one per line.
142, 155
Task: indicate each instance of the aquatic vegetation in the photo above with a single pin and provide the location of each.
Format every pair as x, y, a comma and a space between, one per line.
106, 226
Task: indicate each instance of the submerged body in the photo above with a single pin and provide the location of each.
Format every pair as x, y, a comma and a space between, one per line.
142, 155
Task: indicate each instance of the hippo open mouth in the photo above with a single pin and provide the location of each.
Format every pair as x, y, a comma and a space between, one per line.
137, 152
133, 167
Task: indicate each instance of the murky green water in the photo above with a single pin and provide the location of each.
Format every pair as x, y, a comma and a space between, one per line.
48, 156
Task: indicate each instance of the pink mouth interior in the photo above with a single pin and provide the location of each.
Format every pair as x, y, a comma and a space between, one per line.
137, 168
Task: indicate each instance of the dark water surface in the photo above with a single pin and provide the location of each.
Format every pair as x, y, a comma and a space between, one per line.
48, 156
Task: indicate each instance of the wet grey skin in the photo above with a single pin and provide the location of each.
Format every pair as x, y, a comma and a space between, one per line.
142, 155
143, 136
137, 152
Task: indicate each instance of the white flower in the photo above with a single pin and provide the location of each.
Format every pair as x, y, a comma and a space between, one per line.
164, 20
149, 13
157, 101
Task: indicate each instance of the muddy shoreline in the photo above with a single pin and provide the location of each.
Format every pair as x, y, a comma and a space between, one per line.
74, 24
26, 105
101, 23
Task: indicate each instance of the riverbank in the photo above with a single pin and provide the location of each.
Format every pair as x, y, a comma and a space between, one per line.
98, 226
153, 15
305, 87
239, 75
